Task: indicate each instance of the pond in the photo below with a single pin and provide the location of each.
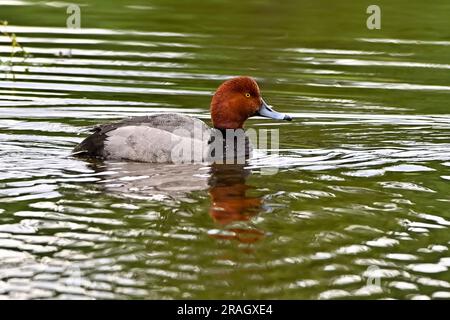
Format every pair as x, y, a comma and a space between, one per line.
357, 202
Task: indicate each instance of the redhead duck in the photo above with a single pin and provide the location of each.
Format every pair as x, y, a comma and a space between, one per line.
159, 137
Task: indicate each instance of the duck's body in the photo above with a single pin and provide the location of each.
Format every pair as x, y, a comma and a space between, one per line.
172, 137
146, 139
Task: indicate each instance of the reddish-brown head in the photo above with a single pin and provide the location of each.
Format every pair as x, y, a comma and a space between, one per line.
238, 99
234, 102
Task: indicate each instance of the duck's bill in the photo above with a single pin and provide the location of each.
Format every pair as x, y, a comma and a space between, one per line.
266, 111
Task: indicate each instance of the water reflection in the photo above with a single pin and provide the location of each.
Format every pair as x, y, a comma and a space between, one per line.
231, 203
363, 175
150, 181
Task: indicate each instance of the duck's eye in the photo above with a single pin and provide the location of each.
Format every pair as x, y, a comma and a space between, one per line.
248, 95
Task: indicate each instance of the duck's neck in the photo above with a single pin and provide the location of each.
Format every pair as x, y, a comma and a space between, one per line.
231, 143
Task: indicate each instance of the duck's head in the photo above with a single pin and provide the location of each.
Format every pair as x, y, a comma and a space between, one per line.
238, 99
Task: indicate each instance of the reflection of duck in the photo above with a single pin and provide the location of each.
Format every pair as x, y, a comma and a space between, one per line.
230, 202
230, 205
156, 182
154, 138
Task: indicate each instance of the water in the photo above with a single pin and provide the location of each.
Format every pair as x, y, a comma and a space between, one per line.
357, 208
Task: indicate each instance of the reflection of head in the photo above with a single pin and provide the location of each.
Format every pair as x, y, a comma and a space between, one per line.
230, 202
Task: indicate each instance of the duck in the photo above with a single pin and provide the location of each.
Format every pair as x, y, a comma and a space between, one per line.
175, 137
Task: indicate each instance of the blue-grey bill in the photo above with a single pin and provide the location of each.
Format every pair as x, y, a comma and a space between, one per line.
266, 111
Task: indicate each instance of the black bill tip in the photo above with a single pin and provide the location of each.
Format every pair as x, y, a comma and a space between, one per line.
287, 118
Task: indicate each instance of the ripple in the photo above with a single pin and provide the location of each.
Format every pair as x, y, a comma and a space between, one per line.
378, 273
427, 268
433, 282
353, 249
346, 279
441, 295
382, 242
89, 31
405, 41
408, 168
401, 285
420, 297
381, 85
333, 294
368, 290
401, 256
365, 173
95, 88
405, 186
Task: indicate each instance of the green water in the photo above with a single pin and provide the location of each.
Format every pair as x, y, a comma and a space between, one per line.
357, 207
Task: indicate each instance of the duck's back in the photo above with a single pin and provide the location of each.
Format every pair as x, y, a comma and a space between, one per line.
153, 138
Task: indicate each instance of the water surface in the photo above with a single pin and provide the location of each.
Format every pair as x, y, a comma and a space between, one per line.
360, 196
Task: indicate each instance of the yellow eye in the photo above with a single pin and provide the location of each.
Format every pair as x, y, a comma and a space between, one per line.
248, 95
